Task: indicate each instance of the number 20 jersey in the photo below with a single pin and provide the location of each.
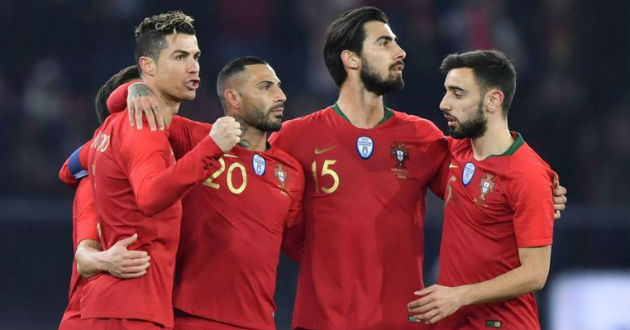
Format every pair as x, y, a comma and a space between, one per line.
232, 230
363, 216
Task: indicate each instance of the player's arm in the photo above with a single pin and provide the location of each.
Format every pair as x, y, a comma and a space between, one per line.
140, 100
117, 260
74, 168
437, 302
528, 187
157, 185
293, 235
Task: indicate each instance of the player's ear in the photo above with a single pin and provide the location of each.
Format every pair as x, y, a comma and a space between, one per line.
147, 65
494, 100
232, 98
350, 60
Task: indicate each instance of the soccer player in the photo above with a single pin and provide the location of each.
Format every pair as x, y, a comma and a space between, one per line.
118, 261
367, 169
498, 218
233, 225
236, 220
138, 185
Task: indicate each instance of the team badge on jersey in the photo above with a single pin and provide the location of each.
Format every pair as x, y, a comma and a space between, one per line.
486, 185
399, 153
259, 164
469, 172
365, 147
281, 174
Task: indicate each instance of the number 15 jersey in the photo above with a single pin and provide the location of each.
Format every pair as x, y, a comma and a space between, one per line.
363, 216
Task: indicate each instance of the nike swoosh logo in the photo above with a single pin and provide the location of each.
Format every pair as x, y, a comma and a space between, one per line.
229, 155
321, 151
451, 165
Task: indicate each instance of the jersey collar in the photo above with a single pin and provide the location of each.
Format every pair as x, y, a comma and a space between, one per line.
388, 113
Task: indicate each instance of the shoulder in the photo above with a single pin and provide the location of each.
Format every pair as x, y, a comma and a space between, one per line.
294, 127
286, 159
301, 122
528, 168
424, 128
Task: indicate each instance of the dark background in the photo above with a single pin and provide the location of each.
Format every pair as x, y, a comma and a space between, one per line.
571, 106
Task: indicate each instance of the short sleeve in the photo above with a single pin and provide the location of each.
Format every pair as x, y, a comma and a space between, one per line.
530, 196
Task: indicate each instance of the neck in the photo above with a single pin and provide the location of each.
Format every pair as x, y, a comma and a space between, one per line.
495, 141
167, 105
252, 138
364, 109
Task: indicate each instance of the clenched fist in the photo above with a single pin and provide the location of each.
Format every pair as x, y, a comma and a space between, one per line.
226, 133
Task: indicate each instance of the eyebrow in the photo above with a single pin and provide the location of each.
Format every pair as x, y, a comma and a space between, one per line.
455, 88
387, 38
270, 82
185, 53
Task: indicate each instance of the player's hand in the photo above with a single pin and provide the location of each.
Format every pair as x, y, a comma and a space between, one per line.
559, 200
123, 263
436, 302
141, 101
226, 133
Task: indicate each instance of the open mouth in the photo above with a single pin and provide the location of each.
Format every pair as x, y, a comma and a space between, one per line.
277, 111
451, 120
398, 67
192, 84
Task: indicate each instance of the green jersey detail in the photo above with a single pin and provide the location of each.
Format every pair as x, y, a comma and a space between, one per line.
388, 113
512, 149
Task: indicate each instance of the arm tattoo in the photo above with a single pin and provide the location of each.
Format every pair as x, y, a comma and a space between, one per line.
139, 90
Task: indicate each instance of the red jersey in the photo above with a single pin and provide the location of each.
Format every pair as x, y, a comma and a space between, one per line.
232, 229
493, 207
83, 227
363, 216
137, 189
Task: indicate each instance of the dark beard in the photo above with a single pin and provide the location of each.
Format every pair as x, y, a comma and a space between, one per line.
257, 119
473, 128
373, 83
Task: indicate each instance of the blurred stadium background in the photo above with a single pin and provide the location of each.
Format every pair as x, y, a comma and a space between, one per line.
571, 105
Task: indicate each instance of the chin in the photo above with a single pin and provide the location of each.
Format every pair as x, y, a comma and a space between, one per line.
189, 96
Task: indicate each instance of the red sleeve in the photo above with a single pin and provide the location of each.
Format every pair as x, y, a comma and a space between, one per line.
440, 179
146, 156
282, 139
293, 236
85, 214
530, 193
70, 171
184, 134
117, 100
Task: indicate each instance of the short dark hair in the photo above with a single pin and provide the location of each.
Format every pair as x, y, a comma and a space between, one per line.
123, 76
233, 67
347, 32
151, 32
491, 68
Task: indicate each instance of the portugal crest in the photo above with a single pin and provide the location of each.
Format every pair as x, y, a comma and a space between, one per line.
486, 185
281, 174
399, 153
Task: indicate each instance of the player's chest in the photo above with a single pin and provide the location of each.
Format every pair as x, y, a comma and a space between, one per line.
479, 188
336, 162
250, 181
